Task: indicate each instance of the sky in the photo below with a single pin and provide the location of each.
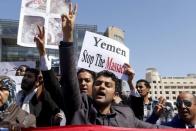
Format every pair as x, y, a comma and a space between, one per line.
159, 33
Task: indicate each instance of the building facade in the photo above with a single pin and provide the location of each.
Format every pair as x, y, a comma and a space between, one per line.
10, 51
169, 87
115, 33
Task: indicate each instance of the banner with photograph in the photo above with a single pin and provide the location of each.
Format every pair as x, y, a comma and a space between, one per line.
9, 68
102, 53
45, 13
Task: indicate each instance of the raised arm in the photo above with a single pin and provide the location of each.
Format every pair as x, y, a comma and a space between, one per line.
67, 57
51, 83
130, 73
134, 100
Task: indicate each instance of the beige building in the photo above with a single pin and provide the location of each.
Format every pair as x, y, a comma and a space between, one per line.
169, 87
115, 33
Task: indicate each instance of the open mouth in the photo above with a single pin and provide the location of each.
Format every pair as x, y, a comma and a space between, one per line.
100, 94
83, 90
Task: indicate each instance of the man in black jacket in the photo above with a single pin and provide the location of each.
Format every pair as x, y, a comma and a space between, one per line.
80, 108
34, 99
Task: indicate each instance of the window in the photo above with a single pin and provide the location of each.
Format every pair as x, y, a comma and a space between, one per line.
166, 87
178, 82
173, 92
166, 92
193, 87
155, 87
167, 97
174, 97
160, 92
155, 92
180, 87
160, 87
153, 81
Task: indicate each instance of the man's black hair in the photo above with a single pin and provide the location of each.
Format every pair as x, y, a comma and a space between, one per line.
93, 74
24, 66
33, 70
146, 83
106, 73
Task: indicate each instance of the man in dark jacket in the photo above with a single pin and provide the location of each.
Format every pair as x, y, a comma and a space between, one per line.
34, 99
186, 105
80, 108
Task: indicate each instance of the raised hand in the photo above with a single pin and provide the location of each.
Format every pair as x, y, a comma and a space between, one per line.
159, 108
68, 21
40, 40
130, 72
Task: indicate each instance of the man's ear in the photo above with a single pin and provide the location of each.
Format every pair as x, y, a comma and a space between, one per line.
116, 94
39, 80
148, 90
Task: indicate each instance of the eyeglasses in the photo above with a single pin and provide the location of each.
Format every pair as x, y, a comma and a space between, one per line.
186, 103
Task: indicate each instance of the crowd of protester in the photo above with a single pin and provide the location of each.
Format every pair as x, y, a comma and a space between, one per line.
83, 96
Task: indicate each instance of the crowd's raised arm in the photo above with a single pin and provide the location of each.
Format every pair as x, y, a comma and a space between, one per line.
83, 96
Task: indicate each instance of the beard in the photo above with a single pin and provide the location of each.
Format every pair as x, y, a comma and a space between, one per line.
27, 85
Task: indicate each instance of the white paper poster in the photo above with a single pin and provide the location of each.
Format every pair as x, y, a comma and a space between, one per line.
9, 68
45, 13
102, 53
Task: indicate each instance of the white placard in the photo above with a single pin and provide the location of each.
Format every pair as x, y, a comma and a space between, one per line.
102, 53
45, 13
9, 68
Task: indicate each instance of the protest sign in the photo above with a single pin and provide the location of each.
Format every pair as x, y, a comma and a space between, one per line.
9, 68
45, 13
102, 53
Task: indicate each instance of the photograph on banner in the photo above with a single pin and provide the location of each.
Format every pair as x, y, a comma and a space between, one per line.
55, 33
30, 29
35, 5
45, 13
59, 6
9, 68
102, 53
